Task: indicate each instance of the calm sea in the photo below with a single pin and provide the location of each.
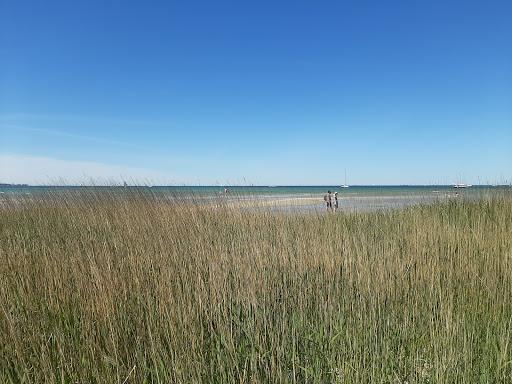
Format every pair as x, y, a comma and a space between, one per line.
286, 198
362, 190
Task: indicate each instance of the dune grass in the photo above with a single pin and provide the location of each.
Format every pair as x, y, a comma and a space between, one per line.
129, 288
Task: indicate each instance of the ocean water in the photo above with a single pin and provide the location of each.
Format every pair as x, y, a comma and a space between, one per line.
358, 190
286, 198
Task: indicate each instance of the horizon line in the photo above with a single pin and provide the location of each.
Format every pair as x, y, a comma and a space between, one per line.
239, 185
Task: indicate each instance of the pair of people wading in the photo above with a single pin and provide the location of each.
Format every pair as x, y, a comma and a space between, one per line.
331, 201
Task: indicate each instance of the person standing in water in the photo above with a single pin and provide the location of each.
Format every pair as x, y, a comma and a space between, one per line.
335, 201
328, 201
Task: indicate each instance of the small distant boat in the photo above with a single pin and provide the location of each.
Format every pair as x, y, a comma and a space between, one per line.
459, 185
345, 185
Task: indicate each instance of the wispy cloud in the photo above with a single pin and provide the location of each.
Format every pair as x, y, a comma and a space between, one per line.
58, 133
25, 117
19, 169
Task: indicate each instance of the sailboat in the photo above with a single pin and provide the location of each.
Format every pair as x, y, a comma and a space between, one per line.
461, 185
345, 185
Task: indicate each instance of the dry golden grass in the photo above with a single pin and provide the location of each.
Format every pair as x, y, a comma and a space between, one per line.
114, 287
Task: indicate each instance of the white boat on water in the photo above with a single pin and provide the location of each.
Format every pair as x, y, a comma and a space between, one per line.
460, 185
345, 185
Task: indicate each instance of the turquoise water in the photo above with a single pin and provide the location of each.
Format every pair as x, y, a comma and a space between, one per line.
285, 198
267, 190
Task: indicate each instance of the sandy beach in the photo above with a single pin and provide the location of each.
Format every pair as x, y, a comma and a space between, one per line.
347, 203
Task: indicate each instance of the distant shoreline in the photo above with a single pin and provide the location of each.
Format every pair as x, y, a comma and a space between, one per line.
8, 185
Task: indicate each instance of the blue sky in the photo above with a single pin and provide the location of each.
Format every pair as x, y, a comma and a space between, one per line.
262, 92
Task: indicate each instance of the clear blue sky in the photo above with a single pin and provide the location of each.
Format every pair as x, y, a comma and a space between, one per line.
261, 92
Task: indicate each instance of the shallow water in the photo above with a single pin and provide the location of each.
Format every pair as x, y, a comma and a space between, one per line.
284, 198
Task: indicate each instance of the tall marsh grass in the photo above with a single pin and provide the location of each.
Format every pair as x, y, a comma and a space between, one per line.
130, 288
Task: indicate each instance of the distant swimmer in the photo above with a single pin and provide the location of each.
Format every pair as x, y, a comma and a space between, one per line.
328, 201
